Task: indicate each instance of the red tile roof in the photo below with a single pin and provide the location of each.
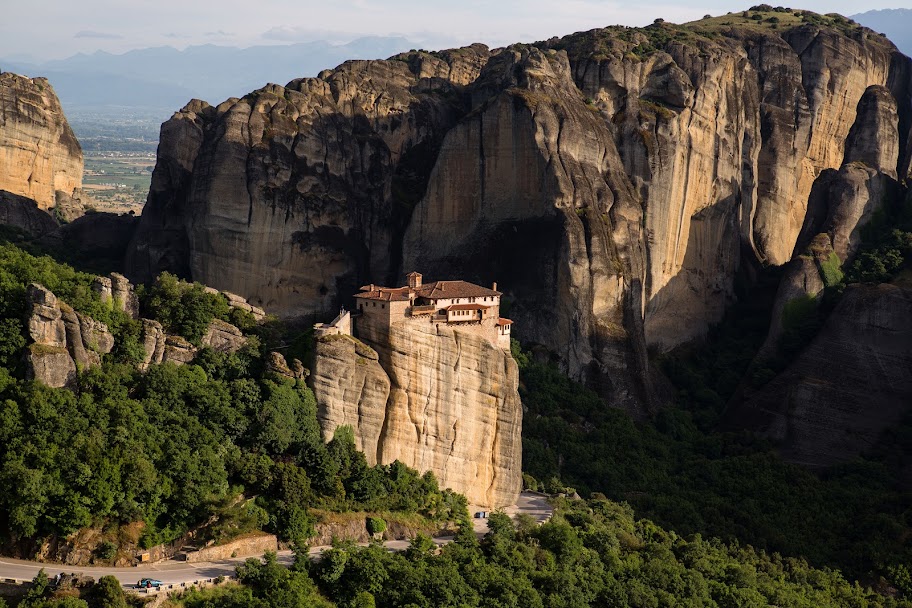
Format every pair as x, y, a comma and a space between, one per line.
501, 321
454, 289
437, 290
384, 294
466, 307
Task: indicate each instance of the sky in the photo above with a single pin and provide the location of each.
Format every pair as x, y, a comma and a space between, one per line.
39, 30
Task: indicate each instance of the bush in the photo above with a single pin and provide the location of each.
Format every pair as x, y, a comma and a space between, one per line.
106, 550
375, 525
182, 308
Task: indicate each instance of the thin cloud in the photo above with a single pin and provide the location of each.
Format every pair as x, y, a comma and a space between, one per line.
98, 35
288, 33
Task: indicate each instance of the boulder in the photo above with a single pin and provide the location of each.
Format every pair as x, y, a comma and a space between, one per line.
223, 337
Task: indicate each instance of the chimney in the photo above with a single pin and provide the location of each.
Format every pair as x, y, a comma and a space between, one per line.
494, 286
414, 280
372, 287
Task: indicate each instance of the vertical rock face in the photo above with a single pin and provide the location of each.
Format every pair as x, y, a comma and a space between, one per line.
351, 388
615, 179
39, 154
435, 399
283, 196
851, 383
841, 203
23, 213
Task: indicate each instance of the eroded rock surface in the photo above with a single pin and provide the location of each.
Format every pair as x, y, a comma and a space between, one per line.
433, 398
614, 193
277, 364
39, 154
63, 341
223, 337
23, 213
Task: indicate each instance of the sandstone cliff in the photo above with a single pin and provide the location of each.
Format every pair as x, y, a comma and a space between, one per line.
39, 154
615, 180
433, 398
840, 204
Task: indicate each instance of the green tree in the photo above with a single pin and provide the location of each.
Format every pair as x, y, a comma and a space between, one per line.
107, 593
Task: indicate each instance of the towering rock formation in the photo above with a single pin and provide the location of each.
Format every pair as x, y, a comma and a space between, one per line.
434, 398
616, 179
39, 154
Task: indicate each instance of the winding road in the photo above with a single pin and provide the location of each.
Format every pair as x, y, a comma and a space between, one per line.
177, 574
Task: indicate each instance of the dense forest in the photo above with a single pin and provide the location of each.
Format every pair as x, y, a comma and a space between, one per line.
591, 553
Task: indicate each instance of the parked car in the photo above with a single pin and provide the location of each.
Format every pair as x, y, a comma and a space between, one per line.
148, 583
481, 514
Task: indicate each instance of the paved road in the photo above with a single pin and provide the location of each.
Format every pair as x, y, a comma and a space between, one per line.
182, 573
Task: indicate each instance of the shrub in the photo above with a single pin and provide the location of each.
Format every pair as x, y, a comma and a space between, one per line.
375, 525
106, 550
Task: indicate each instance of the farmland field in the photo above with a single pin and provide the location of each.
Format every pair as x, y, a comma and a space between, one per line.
119, 147
118, 181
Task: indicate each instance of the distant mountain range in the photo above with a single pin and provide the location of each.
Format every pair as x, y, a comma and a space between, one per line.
165, 78
896, 23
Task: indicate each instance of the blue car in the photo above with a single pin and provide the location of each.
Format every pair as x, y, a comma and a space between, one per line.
148, 583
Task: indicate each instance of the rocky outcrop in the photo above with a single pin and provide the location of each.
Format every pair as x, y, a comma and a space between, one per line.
236, 301
294, 208
277, 364
351, 388
613, 181
223, 337
849, 385
433, 398
63, 341
161, 347
39, 154
23, 213
117, 290
840, 204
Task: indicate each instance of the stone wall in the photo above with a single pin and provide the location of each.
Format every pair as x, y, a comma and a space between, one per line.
242, 547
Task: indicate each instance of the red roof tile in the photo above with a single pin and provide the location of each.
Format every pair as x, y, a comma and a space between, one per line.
437, 290
454, 289
466, 307
501, 321
384, 294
